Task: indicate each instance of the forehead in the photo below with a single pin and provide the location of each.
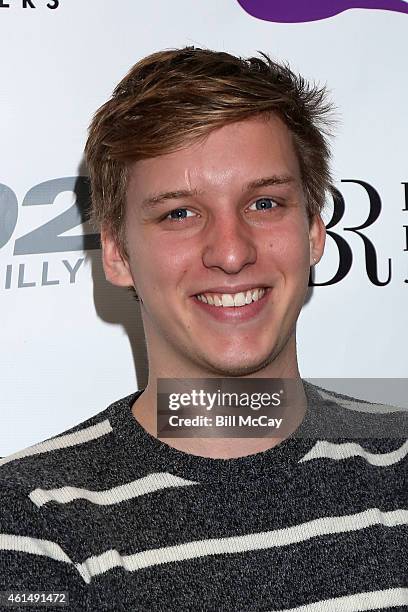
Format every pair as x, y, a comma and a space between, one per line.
225, 159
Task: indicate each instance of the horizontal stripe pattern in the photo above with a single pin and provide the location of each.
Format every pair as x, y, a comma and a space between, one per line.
254, 541
358, 602
323, 449
33, 546
361, 405
76, 438
116, 495
101, 506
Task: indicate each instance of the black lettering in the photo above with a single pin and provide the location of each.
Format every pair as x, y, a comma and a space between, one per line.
28, 3
345, 253
406, 226
370, 253
3, 5
406, 196
54, 5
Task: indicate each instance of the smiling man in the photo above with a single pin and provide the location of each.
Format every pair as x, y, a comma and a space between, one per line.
218, 247
208, 176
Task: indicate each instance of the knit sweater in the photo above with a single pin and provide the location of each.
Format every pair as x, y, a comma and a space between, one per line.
124, 522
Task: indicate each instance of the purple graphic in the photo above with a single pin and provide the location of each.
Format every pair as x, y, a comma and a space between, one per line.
295, 11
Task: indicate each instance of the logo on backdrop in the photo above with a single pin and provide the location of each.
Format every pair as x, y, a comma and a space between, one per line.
344, 250
48, 238
298, 11
29, 4
57, 236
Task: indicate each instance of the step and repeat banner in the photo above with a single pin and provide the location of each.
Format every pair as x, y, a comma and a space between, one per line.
71, 343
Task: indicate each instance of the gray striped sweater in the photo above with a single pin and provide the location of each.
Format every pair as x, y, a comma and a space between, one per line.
122, 521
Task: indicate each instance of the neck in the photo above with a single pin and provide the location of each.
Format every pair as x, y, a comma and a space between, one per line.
144, 409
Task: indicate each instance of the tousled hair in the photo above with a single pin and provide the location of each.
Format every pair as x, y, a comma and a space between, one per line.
172, 98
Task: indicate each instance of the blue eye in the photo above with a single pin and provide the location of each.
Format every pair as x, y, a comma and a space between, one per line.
178, 214
263, 204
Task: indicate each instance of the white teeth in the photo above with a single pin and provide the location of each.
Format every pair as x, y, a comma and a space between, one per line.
227, 300
239, 299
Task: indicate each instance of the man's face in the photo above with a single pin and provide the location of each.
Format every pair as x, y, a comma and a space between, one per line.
239, 226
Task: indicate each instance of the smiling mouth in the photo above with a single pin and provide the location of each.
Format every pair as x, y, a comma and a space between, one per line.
236, 300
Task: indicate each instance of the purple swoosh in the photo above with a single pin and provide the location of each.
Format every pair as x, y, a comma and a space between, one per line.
292, 11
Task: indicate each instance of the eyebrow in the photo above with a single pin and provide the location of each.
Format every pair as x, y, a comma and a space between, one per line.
267, 181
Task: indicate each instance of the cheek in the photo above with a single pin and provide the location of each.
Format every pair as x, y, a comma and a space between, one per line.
161, 264
290, 250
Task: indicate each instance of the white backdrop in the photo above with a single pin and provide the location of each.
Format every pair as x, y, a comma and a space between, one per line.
70, 344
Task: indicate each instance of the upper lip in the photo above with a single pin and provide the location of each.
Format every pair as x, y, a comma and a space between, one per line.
235, 289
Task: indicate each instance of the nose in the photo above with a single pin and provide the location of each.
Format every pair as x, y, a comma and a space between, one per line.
229, 244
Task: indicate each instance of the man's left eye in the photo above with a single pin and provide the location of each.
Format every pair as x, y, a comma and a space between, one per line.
263, 204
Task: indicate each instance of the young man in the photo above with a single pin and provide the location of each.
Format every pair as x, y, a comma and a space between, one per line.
208, 176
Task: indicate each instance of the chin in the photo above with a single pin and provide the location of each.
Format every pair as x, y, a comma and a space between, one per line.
242, 367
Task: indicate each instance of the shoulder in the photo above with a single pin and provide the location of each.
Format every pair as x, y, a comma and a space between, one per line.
40, 541
349, 427
56, 459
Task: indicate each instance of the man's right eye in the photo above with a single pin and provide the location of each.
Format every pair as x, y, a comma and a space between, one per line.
178, 214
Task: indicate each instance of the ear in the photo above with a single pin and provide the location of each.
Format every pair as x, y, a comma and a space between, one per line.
317, 239
115, 265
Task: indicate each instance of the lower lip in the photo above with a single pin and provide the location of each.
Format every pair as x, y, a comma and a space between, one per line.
234, 314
